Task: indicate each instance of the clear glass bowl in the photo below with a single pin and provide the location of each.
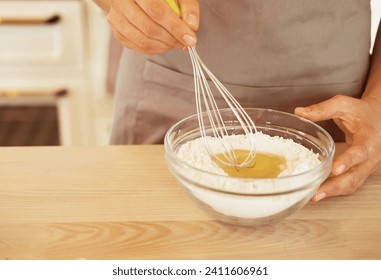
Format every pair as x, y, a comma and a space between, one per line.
255, 201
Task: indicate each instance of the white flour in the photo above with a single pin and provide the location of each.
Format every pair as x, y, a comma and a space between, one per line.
298, 158
291, 189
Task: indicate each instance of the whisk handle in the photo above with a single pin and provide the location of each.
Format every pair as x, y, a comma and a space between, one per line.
174, 6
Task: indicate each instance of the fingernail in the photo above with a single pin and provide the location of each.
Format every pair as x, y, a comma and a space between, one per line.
304, 110
192, 21
190, 40
340, 169
320, 196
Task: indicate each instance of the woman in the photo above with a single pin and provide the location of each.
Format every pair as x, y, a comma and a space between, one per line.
303, 56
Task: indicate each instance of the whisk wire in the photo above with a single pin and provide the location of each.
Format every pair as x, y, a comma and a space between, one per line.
202, 93
204, 96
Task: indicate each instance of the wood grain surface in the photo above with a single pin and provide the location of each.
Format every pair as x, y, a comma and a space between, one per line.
123, 203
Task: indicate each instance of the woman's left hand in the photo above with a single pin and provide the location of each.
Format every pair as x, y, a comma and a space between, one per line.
360, 120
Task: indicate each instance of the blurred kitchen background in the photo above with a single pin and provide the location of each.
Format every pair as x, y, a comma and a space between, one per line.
58, 62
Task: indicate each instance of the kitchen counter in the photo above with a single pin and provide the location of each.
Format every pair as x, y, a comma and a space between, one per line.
121, 202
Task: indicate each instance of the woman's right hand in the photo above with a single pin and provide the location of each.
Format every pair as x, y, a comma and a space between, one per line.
151, 26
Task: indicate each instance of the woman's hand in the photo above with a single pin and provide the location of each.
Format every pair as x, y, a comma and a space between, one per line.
151, 26
360, 120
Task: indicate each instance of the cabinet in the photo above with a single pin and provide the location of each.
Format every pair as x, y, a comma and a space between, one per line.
42, 61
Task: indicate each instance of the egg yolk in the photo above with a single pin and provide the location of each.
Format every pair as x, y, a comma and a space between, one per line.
262, 165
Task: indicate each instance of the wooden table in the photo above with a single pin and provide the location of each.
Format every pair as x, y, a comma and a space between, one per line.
121, 202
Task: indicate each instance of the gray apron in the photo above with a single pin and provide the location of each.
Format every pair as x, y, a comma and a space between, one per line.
276, 54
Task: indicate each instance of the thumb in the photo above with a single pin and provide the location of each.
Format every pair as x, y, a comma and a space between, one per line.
322, 111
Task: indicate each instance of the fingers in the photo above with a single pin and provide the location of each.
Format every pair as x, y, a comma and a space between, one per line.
143, 23
350, 169
354, 155
329, 109
133, 38
162, 14
361, 125
354, 118
149, 47
345, 184
190, 12
151, 27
